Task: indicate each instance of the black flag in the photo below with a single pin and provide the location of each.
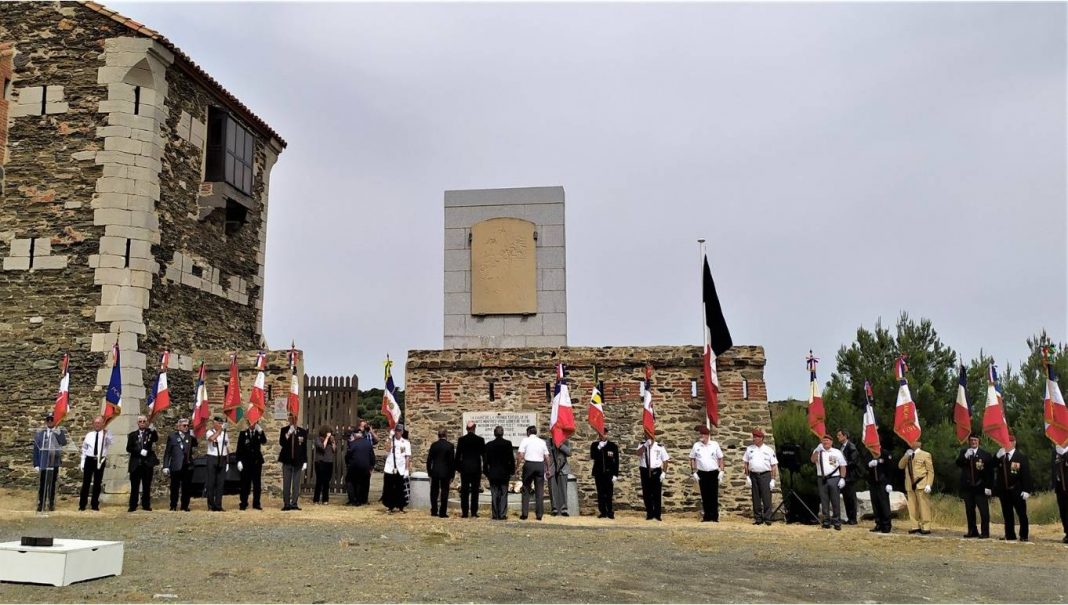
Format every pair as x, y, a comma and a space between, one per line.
719, 335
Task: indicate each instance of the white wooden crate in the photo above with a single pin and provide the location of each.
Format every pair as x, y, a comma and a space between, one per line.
64, 563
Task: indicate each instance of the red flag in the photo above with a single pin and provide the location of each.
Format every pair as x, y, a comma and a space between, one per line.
817, 415
293, 402
257, 400
871, 429
1054, 411
562, 417
962, 412
63, 398
232, 401
648, 415
201, 411
906, 422
595, 411
160, 397
994, 424
717, 341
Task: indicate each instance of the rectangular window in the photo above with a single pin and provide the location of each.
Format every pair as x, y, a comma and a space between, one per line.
437, 391
492, 395
230, 151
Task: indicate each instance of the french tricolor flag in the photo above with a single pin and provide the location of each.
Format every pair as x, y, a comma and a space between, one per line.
201, 413
906, 422
962, 412
390, 408
648, 414
257, 400
871, 429
63, 398
1054, 412
994, 423
159, 398
293, 401
817, 414
562, 417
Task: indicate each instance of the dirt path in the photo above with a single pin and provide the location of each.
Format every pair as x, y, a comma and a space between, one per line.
341, 554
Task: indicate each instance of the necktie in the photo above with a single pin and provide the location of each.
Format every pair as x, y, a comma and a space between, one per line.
185, 442
96, 449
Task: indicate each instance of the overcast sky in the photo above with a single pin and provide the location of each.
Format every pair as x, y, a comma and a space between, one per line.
845, 162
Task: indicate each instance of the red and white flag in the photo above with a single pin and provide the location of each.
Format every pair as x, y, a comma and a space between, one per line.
817, 414
648, 414
717, 341
906, 421
595, 412
1054, 412
160, 397
994, 424
232, 401
201, 411
293, 401
562, 417
962, 412
390, 408
63, 398
871, 429
257, 400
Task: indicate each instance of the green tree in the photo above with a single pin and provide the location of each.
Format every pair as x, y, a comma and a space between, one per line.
369, 406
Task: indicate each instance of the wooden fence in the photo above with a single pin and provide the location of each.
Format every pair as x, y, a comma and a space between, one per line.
329, 401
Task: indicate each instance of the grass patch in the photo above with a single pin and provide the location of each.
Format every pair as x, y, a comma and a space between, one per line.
948, 510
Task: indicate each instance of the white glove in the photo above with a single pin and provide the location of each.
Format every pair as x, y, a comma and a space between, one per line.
662, 477
1025, 495
1001, 453
240, 465
909, 452
226, 469
873, 464
82, 464
927, 489
771, 485
748, 481
1061, 450
841, 483
305, 467
695, 478
144, 453
722, 476
889, 489
969, 453
152, 426
614, 478
166, 471
988, 492
37, 469
290, 432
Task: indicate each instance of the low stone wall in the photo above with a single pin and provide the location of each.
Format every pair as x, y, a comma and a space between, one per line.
441, 385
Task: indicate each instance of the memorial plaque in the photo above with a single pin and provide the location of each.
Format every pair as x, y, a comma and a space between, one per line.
279, 409
514, 424
503, 268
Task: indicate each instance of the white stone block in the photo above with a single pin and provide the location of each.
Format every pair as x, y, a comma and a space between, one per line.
110, 261
127, 44
456, 281
147, 189
103, 341
47, 263
55, 93
113, 245
17, 264
457, 303
554, 324
42, 246
118, 313
123, 144
554, 301
455, 325
146, 220
462, 342
527, 325
458, 260
88, 154
135, 327
72, 205
551, 279
144, 136
115, 157
121, 91
122, 132
485, 326
173, 274
111, 216
116, 170
188, 279
550, 258
19, 111
115, 106
111, 276
141, 249
29, 96
116, 201
550, 236
20, 247
511, 342
140, 203
456, 239
111, 74
147, 162
132, 121
144, 264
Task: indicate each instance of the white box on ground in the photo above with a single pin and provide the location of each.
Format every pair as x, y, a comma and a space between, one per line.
62, 564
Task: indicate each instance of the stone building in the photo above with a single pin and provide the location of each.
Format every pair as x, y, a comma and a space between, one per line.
134, 210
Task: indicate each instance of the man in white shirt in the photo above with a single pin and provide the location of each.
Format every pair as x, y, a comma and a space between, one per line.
395, 472
533, 456
94, 459
47, 450
830, 479
218, 451
706, 462
652, 468
761, 469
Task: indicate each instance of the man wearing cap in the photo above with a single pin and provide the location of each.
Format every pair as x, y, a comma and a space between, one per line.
605, 456
533, 457
250, 463
141, 445
218, 453
94, 458
761, 469
470, 455
1012, 481
706, 463
500, 466
919, 477
830, 479
395, 478
976, 482
652, 468
880, 485
440, 466
178, 463
293, 454
47, 444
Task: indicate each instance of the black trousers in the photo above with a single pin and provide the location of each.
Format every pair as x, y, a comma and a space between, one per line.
605, 494
1062, 507
439, 496
880, 504
849, 498
709, 484
324, 471
361, 485
181, 484
651, 491
47, 478
469, 484
251, 478
214, 481
762, 496
1013, 502
91, 474
141, 482
974, 497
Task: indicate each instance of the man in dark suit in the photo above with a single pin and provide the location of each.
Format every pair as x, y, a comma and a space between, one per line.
293, 454
439, 466
849, 492
976, 482
500, 467
178, 463
140, 445
47, 455
1012, 482
470, 454
605, 456
1060, 485
250, 463
359, 463
880, 484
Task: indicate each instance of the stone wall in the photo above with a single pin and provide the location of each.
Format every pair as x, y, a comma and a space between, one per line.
520, 377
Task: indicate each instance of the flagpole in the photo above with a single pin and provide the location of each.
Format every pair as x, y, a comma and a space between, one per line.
701, 269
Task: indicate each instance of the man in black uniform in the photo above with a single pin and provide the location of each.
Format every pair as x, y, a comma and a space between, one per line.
178, 463
440, 467
605, 456
976, 482
1012, 482
470, 454
293, 454
250, 463
500, 466
360, 463
849, 492
140, 445
1060, 485
880, 484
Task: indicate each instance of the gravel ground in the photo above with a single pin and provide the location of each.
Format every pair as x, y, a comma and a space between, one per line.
342, 554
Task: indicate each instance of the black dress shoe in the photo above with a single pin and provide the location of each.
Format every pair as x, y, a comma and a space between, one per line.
1065, 540
825, 526
564, 514
925, 532
287, 508
853, 522
148, 508
174, 508
257, 507
242, 506
522, 517
1023, 540
885, 530
131, 509
601, 516
474, 515
914, 530
970, 535
875, 529
838, 527
294, 507
767, 523
463, 515
757, 522
185, 509
443, 516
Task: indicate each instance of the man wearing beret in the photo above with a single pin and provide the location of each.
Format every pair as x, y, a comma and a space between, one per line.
706, 463
761, 469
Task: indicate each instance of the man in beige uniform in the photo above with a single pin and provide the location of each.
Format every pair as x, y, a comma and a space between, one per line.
919, 476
